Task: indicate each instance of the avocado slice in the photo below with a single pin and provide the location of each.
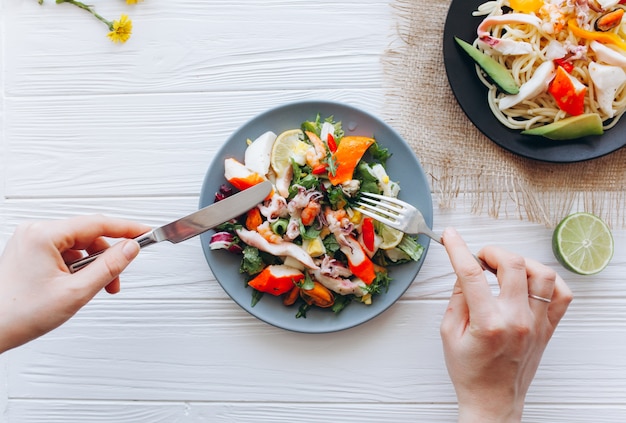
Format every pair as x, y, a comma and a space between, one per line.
499, 74
570, 127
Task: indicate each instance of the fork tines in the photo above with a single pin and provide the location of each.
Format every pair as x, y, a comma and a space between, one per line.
384, 209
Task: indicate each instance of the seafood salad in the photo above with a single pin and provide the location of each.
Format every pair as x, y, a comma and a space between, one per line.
305, 243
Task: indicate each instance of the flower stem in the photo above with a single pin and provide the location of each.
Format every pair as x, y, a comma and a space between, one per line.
89, 9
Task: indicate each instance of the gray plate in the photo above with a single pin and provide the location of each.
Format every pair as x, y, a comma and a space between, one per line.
403, 167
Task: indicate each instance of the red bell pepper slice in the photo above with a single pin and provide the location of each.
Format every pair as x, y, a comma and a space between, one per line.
568, 92
565, 64
332, 144
367, 230
320, 169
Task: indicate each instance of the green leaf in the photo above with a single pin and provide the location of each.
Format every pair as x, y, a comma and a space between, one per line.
379, 154
310, 232
251, 262
411, 247
369, 181
331, 245
341, 302
256, 297
307, 283
302, 311
336, 197
380, 283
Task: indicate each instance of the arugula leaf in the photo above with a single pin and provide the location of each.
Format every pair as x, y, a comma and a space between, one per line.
331, 245
369, 181
256, 297
380, 283
302, 178
331, 165
339, 133
251, 262
336, 198
341, 302
228, 227
379, 154
310, 232
302, 311
313, 126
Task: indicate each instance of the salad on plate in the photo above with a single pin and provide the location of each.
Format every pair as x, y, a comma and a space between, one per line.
306, 243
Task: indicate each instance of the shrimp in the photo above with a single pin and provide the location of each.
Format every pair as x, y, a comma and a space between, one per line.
314, 156
310, 212
266, 232
305, 204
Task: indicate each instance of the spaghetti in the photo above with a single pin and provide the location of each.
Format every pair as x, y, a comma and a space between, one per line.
562, 32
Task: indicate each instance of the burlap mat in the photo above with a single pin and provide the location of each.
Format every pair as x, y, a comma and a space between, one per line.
464, 165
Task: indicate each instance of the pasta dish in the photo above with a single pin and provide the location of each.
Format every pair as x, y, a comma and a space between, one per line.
566, 56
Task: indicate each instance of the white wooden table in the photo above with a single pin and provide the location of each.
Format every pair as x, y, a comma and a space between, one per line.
92, 127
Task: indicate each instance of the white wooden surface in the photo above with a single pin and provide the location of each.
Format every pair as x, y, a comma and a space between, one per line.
87, 126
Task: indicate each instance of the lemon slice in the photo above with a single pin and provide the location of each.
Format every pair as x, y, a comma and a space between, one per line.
288, 145
583, 243
390, 237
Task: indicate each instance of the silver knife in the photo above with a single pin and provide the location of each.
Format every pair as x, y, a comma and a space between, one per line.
198, 222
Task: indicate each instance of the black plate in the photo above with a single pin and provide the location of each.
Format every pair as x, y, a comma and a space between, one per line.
472, 97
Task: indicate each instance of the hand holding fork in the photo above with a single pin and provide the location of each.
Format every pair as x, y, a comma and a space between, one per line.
402, 216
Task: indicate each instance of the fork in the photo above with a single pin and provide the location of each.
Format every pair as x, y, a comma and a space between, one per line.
402, 216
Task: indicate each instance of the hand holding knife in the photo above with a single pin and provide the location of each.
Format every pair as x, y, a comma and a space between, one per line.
197, 222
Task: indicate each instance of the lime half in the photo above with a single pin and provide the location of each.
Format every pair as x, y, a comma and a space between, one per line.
390, 237
583, 243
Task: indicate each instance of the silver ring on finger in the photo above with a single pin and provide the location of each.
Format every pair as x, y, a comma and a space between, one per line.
537, 297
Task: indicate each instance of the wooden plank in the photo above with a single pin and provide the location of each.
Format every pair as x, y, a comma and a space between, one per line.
132, 145
196, 350
195, 45
60, 411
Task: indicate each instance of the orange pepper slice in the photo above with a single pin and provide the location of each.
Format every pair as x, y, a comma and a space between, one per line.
526, 6
348, 154
253, 219
601, 37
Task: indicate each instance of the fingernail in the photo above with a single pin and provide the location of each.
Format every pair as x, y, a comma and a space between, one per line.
130, 249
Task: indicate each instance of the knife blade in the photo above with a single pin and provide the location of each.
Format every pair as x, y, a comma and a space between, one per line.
197, 222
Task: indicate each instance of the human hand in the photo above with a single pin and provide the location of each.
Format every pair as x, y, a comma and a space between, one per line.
37, 291
493, 345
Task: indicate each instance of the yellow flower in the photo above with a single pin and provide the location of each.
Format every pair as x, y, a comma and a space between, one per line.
133, 1
121, 30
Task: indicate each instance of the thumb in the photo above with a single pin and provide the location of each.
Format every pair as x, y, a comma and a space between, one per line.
108, 265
